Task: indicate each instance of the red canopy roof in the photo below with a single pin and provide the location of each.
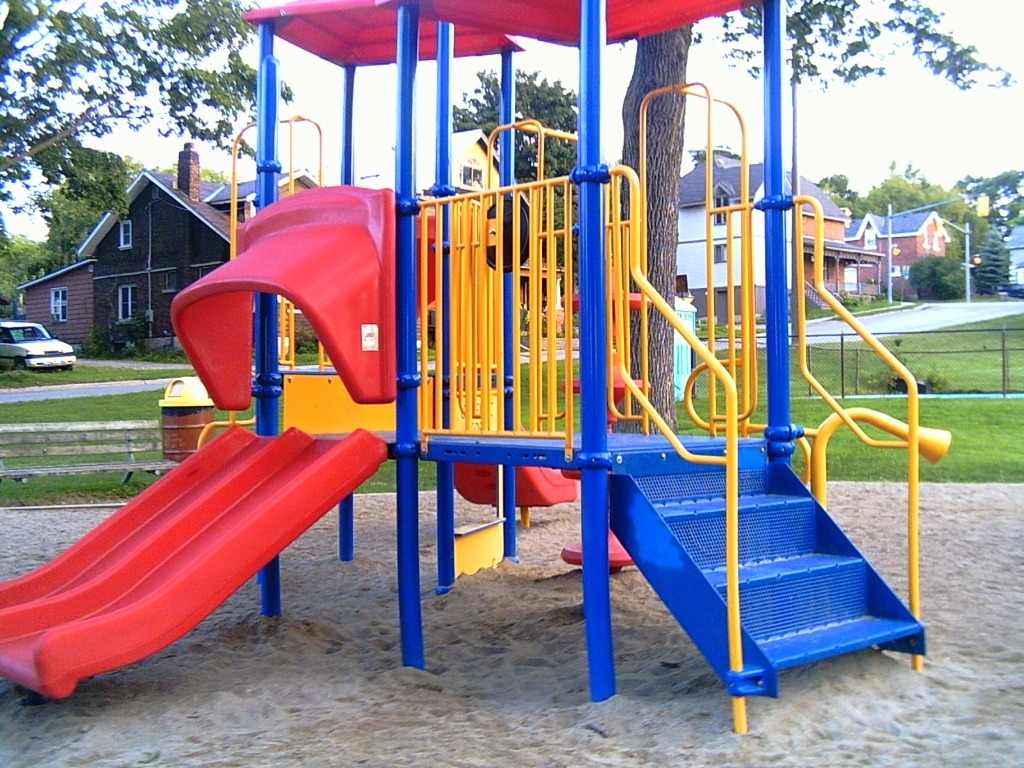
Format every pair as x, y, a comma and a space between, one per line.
364, 32
558, 21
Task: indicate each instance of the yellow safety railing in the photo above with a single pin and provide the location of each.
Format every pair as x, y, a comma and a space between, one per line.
531, 127
286, 314
537, 255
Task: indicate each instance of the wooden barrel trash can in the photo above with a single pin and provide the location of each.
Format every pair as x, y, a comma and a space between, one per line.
185, 410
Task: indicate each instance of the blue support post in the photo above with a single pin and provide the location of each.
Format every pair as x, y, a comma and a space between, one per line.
268, 382
406, 448
779, 432
347, 528
507, 148
346, 509
347, 118
594, 458
443, 188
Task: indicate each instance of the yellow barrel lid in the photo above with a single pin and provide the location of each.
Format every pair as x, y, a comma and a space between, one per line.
186, 392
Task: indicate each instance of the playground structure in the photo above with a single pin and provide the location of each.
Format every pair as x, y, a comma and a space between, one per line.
738, 547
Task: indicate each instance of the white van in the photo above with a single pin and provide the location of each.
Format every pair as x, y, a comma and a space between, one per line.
30, 345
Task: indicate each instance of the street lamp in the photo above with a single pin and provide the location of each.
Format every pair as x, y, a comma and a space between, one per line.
967, 255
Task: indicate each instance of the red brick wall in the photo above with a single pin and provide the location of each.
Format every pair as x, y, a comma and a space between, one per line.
80, 304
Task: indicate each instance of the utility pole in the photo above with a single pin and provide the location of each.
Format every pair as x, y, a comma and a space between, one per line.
888, 279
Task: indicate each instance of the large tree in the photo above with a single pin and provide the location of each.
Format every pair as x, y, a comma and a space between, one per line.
75, 68
840, 39
537, 99
991, 264
1006, 193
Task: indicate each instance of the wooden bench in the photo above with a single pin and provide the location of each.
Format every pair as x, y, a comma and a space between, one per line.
78, 448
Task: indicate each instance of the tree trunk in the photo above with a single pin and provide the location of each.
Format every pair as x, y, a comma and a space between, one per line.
660, 61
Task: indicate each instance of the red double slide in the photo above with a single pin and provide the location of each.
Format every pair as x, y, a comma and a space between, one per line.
152, 571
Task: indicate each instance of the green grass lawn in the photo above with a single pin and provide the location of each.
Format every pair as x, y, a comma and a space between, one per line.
985, 446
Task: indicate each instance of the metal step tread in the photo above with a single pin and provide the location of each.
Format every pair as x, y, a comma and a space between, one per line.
779, 569
835, 639
716, 505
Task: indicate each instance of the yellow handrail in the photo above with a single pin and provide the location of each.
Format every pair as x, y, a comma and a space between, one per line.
910, 432
924, 441
730, 458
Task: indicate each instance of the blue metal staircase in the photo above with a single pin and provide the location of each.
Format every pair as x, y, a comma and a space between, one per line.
806, 592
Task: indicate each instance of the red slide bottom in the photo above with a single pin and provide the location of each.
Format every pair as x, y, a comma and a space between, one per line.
535, 486
151, 572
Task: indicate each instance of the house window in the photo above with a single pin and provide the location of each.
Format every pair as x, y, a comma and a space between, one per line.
59, 305
870, 241
124, 234
126, 298
721, 218
171, 281
204, 271
472, 175
720, 253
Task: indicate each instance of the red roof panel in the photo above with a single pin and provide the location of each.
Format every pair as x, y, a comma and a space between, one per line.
364, 32
558, 21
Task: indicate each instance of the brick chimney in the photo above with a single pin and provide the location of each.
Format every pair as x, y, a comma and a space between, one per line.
188, 171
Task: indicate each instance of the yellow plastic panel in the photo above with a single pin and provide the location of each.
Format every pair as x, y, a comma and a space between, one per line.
319, 404
478, 547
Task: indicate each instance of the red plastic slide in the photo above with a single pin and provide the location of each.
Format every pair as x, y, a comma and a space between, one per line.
152, 571
535, 486
331, 251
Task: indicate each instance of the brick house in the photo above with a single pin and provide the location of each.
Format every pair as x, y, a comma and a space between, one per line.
848, 267
913, 235
62, 301
177, 229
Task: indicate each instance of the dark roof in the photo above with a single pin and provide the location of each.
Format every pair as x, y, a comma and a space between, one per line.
55, 273
726, 178
903, 224
218, 220
220, 194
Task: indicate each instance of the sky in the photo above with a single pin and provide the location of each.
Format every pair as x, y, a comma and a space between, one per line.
909, 117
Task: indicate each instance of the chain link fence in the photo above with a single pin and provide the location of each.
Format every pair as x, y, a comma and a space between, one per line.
989, 361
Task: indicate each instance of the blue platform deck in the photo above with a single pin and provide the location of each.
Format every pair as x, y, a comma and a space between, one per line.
630, 453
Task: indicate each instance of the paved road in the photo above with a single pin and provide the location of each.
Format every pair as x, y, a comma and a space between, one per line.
924, 317
64, 391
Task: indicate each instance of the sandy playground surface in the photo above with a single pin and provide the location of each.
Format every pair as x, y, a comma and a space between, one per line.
506, 677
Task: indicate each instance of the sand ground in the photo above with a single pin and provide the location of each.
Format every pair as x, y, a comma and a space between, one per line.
506, 678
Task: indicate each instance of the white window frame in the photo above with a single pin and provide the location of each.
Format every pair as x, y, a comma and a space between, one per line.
720, 254
59, 304
127, 297
870, 240
472, 175
721, 201
124, 234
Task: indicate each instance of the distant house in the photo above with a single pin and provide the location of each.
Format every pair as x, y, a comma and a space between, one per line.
62, 300
1015, 245
177, 229
912, 236
848, 267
